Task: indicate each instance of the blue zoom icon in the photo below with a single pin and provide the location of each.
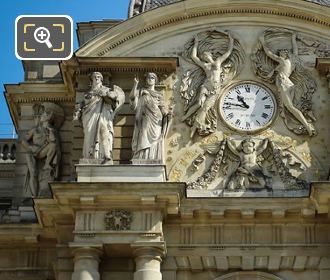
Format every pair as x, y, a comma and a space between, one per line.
43, 37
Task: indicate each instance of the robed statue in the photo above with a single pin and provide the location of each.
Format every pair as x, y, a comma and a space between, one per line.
97, 113
151, 121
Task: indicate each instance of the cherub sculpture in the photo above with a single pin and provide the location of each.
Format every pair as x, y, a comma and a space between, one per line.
259, 163
249, 170
216, 57
294, 83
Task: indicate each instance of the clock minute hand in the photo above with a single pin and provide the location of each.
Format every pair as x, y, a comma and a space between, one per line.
241, 99
234, 104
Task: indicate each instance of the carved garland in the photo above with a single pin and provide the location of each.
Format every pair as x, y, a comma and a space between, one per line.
291, 182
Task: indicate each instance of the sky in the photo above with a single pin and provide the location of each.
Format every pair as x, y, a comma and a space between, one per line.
79, 10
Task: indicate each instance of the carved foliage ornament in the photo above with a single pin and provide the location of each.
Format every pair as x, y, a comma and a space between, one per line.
118, 220
250, 165
215, 58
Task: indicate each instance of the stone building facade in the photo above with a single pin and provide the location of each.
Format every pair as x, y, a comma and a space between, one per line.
226, 104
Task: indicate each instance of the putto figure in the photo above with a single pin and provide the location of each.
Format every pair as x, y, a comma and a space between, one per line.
217, 57
97, 113
151, 121
43, 149
294, 83
249, 170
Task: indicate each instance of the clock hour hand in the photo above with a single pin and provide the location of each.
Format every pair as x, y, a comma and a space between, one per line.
234, 104
241, 99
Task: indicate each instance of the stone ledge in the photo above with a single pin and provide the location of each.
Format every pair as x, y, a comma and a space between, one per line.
95, 173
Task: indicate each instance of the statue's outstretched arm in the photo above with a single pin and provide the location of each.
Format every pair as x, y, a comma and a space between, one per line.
294, 44
133, 97
194, 56
268, 52
229, 51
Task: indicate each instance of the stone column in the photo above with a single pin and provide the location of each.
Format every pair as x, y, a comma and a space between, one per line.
147, 260
86, 263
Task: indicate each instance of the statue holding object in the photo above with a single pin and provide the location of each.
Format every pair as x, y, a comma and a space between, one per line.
151, 121
97, 113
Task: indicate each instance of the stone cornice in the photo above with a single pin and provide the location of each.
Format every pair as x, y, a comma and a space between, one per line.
34, 93
72, 196
192, 9
320, 196
137, 7
86, 65
19, 234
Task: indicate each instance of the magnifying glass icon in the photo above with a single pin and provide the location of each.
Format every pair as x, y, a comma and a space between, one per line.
41, 35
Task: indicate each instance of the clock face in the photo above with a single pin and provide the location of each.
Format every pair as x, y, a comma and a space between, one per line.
247, 107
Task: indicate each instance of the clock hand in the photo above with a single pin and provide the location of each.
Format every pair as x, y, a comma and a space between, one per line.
241, 99
234, 104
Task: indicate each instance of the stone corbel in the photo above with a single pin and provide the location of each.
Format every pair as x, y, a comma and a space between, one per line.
323, 66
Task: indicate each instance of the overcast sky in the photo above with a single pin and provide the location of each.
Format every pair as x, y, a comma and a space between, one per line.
79, 10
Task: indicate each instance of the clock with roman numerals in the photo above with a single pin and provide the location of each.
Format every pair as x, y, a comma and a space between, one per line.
248, 107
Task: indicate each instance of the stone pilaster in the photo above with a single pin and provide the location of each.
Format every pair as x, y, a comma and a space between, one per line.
86, 263
148, 260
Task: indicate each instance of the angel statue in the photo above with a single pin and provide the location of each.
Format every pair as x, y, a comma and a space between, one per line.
216, 57
294, 83
249, 170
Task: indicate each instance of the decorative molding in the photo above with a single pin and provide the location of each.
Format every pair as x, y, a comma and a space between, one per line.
249, 260
139, 6
287, 12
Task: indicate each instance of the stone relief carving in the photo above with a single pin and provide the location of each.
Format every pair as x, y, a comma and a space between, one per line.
42, 146
118, 220
308, 45
151, 121
276, 60
320, 2
249, 170
216, 58
97, 113
249, 165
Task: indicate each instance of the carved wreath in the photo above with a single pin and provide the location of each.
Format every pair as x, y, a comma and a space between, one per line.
118, 220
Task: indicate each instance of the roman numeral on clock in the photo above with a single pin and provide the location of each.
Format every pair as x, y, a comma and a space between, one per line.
247, 125
265, 97
264, 115
238, 122
230, 116
247, 88
268, 107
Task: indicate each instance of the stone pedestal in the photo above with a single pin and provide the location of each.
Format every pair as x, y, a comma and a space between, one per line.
94, 173
148, 261
86, 263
